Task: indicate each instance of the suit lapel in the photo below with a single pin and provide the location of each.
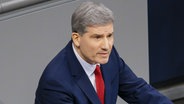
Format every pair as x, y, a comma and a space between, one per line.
86, 86
80, 76
109, 73
107, 80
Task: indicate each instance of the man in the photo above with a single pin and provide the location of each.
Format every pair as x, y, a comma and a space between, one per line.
89, 70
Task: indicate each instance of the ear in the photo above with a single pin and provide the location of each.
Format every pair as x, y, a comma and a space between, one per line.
76, 39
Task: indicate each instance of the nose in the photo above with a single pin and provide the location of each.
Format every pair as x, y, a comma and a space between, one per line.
105, 44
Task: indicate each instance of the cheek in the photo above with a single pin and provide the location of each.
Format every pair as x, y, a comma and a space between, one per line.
111, 43
92, 50
88, 48
89, 44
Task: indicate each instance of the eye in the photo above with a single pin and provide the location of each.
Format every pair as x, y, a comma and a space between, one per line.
97, 36
110, 35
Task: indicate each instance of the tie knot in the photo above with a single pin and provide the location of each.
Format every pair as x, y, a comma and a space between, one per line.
97, 70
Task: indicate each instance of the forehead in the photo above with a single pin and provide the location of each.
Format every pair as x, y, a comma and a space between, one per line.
100, 29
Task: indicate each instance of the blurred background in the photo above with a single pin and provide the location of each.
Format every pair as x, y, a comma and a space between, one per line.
148, 36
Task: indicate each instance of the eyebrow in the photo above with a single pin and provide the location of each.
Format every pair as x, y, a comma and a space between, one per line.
102, 34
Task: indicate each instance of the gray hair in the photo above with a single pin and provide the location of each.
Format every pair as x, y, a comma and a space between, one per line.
89, 14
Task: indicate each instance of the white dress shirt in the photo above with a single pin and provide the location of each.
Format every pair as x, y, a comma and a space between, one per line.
88, 68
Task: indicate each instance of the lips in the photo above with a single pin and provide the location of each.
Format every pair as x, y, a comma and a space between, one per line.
104, 54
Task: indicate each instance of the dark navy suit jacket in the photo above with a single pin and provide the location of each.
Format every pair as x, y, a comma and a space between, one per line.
64, 81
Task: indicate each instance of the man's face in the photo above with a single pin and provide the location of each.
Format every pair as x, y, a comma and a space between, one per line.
95, 45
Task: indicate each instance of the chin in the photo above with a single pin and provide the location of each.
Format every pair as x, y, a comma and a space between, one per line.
103, 61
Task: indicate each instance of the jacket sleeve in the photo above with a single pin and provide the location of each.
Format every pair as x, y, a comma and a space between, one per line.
135, 90
51, 93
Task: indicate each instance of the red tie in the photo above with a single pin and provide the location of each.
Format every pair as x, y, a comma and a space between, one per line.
100, 87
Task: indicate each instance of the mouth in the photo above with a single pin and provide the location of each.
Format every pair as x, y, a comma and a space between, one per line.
104, 54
